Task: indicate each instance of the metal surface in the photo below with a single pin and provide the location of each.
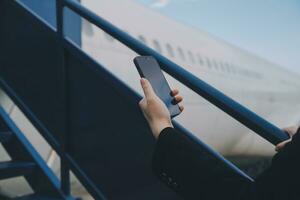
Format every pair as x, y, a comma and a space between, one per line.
27, 162
10, 169
5, 136
64, 170
85, 135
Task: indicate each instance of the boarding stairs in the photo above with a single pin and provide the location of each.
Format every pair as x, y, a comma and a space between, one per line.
55, 83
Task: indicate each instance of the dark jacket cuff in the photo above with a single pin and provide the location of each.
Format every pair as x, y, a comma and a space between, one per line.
163, 146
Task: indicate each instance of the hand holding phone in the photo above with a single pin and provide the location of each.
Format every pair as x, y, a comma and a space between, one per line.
148, 68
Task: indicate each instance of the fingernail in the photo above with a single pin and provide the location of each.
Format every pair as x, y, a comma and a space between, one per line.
174, 102
142, 80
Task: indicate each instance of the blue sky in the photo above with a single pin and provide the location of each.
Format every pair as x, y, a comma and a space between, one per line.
269, 28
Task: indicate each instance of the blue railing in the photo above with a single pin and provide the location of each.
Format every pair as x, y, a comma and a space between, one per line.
254, 122
225, 103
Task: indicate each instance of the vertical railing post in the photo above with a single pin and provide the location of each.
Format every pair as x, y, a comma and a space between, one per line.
64, 168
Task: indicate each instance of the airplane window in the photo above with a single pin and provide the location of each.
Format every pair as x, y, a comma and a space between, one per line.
191, 57
208, 62
215, 65
200, 60
221, 65
227, 67
223, 68
157, 46
239, 70
245, 72
232, 68
257, 75
109, 37
170, 50
87, 28
142, 39
181, 54
248, 73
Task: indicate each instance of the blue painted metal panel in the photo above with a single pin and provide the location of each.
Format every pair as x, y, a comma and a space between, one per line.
46, 9
36, 74
11, 169
5, 136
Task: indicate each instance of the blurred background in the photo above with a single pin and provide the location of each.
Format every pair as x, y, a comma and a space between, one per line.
268, 28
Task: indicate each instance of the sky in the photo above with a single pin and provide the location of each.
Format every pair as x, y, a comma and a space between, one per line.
268, 28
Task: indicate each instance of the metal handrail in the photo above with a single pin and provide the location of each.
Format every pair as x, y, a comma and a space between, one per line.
242, 114
234, 109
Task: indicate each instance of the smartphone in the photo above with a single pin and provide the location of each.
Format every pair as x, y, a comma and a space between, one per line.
148, 68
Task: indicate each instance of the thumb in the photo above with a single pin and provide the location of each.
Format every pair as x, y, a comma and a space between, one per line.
281, 145
147, 88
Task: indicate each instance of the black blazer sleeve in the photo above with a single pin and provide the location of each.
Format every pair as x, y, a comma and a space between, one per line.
181, 164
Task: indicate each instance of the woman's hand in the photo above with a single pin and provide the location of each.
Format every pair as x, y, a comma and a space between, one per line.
154, 110
291, 131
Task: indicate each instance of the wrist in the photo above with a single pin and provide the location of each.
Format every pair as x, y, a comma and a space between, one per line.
158, 126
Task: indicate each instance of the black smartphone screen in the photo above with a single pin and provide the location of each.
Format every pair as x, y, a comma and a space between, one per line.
148, 68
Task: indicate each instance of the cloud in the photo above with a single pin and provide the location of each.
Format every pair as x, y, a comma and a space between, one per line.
160, 3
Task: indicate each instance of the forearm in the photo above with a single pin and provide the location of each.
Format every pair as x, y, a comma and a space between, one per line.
184, 166
193, 173
281, 179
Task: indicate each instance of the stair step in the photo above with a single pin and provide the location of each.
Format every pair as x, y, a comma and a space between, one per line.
10, 169
5, 136
35, 197
2, 197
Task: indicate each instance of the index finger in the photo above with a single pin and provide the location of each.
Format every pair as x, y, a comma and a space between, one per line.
147, 88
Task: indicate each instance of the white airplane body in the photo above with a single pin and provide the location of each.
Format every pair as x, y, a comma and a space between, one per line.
265, 88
